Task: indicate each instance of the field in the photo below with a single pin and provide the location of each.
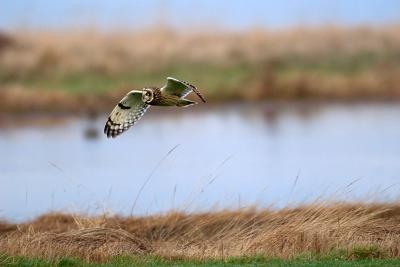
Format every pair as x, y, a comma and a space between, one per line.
88, 70
325, 234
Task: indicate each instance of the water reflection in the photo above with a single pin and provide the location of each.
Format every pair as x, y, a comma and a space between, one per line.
228, 156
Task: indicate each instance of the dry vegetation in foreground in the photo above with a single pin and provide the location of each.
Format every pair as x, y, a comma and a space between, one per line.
73, 69
357, 230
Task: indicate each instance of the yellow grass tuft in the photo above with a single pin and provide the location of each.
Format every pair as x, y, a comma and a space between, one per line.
317, 229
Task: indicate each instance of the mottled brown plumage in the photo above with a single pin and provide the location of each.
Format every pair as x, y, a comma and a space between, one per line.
160, 99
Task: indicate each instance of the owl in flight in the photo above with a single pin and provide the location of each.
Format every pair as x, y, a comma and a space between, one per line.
132, 107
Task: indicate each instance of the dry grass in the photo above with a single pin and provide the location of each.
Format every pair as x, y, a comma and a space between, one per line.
325, 62
33, 52
317, 229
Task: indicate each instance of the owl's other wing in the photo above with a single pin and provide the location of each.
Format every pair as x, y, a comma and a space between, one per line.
128, 111
180, 88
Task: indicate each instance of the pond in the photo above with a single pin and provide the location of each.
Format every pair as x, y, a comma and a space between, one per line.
199, 159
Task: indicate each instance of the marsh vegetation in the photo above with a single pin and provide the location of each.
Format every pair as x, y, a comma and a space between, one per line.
91, 69
347, 231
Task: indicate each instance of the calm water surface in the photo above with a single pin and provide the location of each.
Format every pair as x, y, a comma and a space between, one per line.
227, 157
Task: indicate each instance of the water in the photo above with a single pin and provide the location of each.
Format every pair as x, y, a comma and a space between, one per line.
227, 156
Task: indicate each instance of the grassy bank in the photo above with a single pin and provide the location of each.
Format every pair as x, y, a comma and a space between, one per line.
62, 70
323, 233
153, 261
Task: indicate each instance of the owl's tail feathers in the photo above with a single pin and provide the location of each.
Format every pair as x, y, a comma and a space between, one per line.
185, 103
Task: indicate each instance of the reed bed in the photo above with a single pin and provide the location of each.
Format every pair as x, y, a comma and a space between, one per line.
60, 70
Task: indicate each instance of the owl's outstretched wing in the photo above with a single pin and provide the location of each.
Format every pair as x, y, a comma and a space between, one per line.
128, 111
180, 88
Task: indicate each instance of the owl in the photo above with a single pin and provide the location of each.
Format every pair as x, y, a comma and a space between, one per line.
134, 104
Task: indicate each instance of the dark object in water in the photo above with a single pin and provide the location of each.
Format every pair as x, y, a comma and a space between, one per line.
91, 133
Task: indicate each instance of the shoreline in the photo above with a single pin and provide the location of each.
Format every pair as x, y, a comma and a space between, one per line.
60, 104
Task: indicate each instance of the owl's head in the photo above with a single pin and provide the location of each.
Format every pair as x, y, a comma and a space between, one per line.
147, 95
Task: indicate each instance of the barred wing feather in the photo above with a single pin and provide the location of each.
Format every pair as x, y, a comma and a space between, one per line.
128, 111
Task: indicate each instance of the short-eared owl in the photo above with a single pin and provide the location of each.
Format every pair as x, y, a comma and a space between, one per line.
132, 107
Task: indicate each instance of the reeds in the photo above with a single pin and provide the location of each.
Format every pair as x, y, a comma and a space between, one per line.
324, 62
86, 51
314, 229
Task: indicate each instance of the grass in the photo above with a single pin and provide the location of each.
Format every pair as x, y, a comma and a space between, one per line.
210, 76
241, 261
213, 77
325, 233
321, 63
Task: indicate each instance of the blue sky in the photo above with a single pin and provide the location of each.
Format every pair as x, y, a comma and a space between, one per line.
236, 14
